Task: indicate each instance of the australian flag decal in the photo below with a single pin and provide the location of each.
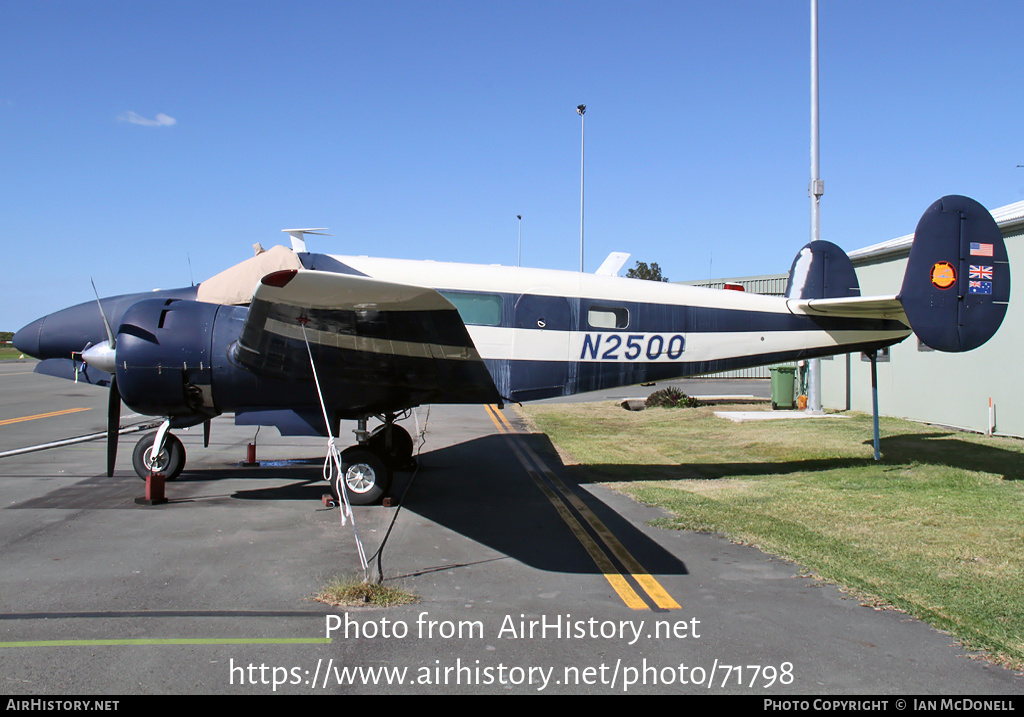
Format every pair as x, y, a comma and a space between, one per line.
980, 287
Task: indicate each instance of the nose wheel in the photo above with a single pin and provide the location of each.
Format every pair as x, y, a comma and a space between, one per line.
169, 460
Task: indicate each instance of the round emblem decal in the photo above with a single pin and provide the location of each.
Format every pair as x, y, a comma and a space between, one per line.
943, 275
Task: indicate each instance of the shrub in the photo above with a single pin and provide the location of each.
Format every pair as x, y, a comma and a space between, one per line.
671, 397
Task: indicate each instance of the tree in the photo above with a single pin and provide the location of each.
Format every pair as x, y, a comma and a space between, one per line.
642, 271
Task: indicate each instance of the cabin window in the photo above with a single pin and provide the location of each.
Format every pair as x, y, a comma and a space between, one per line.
603, 317
476, 309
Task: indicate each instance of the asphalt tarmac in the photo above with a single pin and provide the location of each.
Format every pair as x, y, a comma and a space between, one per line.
528, 582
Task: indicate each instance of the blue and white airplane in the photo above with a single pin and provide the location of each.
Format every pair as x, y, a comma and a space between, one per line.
387, 335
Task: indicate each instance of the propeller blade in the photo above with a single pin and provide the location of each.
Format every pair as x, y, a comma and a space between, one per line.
113, 424
110, 334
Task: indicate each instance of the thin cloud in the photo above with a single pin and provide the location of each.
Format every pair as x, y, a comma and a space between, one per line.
161, 120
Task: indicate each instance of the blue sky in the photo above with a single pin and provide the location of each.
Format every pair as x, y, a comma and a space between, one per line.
138, 136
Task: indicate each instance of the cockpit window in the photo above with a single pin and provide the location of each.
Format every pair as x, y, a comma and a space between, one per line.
476, 309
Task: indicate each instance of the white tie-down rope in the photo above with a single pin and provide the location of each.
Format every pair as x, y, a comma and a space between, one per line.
333, 459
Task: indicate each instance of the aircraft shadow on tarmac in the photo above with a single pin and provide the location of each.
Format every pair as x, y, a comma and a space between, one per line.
479, 490
476, 489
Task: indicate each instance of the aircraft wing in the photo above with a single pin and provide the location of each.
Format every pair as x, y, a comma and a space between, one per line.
857, 307
378, 346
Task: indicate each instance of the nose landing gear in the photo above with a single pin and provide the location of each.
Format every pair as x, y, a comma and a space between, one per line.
160, 452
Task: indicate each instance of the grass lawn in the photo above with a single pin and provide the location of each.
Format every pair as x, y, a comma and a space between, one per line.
935, 528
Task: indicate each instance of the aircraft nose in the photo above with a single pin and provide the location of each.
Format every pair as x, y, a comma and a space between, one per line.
26, 339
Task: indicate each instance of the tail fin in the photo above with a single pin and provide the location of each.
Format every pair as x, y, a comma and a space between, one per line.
955, 290
957, 283
821, 270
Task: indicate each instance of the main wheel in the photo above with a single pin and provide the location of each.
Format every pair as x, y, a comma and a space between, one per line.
170, 461
366, 475
400, 453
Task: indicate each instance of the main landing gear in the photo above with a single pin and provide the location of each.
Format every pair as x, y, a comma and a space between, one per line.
368, 467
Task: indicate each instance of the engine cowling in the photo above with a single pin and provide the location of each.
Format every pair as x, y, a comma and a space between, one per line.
164, 359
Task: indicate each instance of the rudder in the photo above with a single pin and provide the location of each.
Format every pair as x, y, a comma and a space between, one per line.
957, 284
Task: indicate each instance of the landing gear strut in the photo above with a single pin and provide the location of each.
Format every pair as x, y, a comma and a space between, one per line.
368, 468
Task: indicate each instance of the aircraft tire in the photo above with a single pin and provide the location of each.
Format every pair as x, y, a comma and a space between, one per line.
170, 462
366, 474
401, 446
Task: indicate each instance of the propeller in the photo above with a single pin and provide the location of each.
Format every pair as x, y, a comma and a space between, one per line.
103, 357
113, 423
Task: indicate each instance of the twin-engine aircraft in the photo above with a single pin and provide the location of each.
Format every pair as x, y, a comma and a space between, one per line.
387, 335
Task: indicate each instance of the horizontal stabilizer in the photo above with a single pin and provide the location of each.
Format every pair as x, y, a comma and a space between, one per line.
868, 307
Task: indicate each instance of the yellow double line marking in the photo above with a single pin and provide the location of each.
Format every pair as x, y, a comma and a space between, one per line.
51, 414
565, 502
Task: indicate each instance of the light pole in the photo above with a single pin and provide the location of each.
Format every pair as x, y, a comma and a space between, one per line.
817, 188
581, 110
519, 259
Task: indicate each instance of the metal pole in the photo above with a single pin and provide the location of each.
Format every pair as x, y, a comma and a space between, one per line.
817, 188
581, 110
519, 258
874, 399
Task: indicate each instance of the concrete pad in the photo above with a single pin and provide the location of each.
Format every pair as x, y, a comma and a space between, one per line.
747, 398
741, 416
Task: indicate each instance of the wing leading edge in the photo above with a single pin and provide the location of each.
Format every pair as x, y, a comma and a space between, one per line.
378, 346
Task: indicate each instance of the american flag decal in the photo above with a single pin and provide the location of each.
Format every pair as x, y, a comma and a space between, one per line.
980, 272
978, 249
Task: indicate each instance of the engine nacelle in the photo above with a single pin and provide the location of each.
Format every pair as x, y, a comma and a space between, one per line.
164, 359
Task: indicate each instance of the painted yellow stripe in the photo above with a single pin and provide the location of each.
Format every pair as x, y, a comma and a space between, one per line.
501, 417
614, 578
172, 641
651, 586
51, 414
493, 415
